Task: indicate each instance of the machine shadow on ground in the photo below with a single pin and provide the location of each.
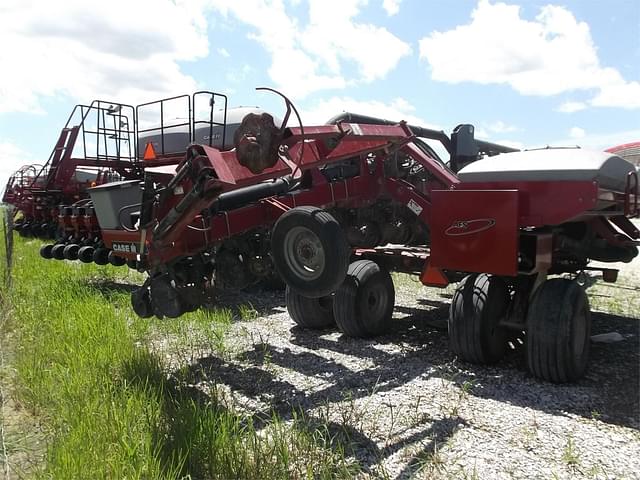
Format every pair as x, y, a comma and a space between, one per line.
608, 391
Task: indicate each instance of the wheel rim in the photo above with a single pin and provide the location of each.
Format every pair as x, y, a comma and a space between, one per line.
375, 301
303, 253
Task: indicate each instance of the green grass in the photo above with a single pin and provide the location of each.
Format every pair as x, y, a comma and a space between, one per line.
4, 448
620, 298
112, 408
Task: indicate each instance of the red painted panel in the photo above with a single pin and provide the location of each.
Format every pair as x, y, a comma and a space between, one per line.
475, 231
230, 171
123, 237
546, 203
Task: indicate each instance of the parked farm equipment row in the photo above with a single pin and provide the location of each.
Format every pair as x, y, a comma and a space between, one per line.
332, 209
102, 143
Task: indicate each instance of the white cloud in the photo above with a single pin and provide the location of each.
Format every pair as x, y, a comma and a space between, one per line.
601, 141
223, 52
236, 75
12, 157
549, 55
488, 131
311, 57
577, 132
392, 7
619, 94
501, 127
570, 107
120, 50
397, 110
480, 132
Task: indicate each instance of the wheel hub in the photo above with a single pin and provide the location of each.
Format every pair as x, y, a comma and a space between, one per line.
376, 300
304, 253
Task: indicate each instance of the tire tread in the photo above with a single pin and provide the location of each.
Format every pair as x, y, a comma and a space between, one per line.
549, 320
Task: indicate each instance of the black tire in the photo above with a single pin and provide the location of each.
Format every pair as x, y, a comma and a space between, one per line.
36, 230
165, 299
25, 231
115, 260
364, 303
70, 252
558, 331
314, 233
141, 302
85, 254
101, 256
478, 305
57, 251
313, 313
45, 251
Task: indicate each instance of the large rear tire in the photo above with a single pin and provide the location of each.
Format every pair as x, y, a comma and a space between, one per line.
364, 303
310, 251
479, 304
558, 331
313, 313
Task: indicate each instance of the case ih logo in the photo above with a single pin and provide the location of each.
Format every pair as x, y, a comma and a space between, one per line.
469, 227
124, 247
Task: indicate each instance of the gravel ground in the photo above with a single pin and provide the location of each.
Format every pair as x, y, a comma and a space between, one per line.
408, 409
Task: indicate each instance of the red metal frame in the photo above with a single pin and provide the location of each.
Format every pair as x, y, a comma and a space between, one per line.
475, 227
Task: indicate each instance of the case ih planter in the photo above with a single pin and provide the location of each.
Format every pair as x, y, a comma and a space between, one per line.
101, 144
333, 208
93, 148
327, 199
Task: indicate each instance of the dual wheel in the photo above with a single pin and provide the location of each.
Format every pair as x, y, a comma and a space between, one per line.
311, 254
361, 307
558, 326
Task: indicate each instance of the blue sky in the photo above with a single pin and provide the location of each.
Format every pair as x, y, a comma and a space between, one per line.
527, 73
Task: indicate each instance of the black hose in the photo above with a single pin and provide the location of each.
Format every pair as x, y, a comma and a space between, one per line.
243, 196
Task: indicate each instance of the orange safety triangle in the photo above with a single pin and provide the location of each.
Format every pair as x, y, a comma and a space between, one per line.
149, 152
